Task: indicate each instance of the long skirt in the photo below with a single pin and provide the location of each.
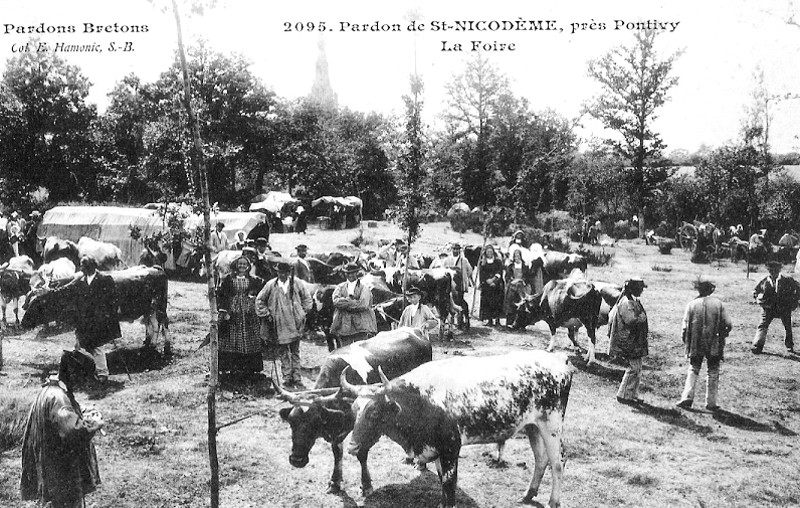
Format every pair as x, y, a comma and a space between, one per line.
243, 363
492, 302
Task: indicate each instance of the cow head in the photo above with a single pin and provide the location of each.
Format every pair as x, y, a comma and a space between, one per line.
51, 306
374, 412
529, 311
314, 416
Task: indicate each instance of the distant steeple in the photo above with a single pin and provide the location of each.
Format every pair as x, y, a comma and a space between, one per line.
321, 91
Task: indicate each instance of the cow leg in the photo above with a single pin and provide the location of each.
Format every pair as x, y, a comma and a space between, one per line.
592, 333
552, 344
552, 443
335, 485
572, 333
540, 462
3, 309
366, 478
500, 447
16, 310
164, 327
150, 329
447, 467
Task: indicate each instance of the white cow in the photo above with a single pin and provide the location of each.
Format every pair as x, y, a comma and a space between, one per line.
108, 255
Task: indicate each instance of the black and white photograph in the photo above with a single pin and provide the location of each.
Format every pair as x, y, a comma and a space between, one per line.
352, 254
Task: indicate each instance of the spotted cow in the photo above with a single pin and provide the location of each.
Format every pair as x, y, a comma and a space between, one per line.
440, 406
327, 413
570, 303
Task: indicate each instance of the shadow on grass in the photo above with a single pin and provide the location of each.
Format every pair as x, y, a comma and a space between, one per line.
43, 369
130, 361
790, 357
96, 390
745, 423
424, 490
250, 384
672, 416
597, 369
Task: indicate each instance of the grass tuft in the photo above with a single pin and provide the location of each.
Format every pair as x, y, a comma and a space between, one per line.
13, 412
660, 268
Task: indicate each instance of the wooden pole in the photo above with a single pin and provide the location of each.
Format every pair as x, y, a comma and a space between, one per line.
199, 163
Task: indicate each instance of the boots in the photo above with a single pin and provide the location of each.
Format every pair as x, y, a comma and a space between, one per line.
687, 397
711, 390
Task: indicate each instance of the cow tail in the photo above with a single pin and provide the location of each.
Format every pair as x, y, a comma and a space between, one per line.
566, 385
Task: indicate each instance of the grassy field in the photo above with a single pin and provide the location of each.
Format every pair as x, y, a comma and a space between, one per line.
655, 455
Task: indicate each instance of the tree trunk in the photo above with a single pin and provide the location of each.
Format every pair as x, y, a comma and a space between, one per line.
199, 163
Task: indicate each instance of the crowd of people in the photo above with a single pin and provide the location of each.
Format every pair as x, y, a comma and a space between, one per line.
266, 319
18, 234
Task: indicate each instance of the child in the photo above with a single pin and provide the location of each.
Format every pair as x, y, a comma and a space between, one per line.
417, 315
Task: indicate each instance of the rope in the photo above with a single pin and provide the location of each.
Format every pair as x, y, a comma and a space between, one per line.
384, 314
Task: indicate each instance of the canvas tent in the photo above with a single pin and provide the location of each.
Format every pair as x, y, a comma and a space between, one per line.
343, 211
113, 224
275, 202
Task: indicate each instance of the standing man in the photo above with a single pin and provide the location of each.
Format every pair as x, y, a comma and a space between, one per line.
778, 296
303, 269
97, 320
282, 306
704, 329
219, 240
460, 264
262, 247
627, 327
418, 315
353, 317
59, 463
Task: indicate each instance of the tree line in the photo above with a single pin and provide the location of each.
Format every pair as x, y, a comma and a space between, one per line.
493, 150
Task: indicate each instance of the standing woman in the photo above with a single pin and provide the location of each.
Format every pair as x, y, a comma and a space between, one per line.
627, 327
518, 286
239, 326
490, 274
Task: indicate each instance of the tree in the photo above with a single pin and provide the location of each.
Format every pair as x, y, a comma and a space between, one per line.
46, 100
472, 101
635, 83
411, 170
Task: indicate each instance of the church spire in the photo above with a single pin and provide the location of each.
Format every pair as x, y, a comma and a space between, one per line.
321, 91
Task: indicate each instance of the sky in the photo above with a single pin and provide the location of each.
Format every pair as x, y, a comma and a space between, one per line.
722, 43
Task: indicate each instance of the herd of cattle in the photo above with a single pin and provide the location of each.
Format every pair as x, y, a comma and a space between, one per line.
387, 385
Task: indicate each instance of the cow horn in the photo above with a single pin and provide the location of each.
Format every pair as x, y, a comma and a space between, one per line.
347, 389
289, 396
384, 379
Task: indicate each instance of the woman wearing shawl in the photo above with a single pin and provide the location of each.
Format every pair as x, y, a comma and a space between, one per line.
239, 326
490, 276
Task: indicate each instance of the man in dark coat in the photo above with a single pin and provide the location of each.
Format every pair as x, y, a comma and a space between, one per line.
97, 320
778, 296
59, 463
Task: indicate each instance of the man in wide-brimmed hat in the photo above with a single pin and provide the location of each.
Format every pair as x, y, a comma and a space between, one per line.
353, 317
59, 463
416, 314
778, 296
459, 263
303, 268
628, 328
219, 240
282, 306
705, 326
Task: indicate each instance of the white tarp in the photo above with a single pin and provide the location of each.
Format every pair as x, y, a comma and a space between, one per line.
273, 202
